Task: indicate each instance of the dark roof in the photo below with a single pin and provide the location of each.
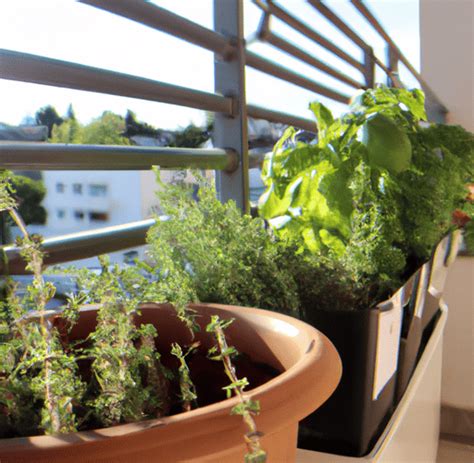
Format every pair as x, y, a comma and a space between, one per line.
23, 133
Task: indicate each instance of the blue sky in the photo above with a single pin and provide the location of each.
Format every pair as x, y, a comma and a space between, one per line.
67, 30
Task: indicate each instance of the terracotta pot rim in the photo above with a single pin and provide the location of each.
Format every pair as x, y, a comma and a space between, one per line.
302, 367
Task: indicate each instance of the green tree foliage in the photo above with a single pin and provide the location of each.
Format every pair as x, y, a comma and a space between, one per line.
105, 130
30, 193
191, 136
49, 117
70, 113
134, 127
113, 129
70, 131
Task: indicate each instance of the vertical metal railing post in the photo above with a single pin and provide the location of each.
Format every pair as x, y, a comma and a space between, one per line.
392, 60
231, 132
369, 67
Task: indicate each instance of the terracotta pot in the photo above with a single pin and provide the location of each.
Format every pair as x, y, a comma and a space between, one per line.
311, 371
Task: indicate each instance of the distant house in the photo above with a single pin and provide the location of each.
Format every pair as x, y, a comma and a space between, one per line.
84, 200
23, 133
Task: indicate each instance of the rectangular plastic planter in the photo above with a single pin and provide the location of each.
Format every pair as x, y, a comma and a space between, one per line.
379, 349
412, 432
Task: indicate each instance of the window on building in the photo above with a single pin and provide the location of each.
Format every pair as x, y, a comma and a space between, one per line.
60, 213
60, 187
97, 189
79, 215
98, 216
77, 188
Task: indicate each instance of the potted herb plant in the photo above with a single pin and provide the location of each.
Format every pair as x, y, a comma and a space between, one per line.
373, 194
95, 383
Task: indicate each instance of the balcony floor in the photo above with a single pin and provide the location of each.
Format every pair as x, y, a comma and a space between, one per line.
454, 452
448, 452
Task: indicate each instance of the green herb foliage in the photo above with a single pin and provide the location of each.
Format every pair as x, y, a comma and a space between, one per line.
246, 408
38, 375
121, 379
340, 198
129, 382
216, 254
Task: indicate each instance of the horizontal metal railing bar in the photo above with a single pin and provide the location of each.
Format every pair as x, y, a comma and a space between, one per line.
362, 8
339, 23
81, 245
49, 156
288, 47
310, 33
258, 112
271, 68
40, 70
158, 18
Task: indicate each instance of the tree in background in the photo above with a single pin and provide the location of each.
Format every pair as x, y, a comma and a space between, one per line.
71, 115
29, 194
105, 130
113, 129
134, 127
70, 131
49, 117
191, 136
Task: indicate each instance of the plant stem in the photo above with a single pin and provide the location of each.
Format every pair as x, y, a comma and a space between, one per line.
255, 451
41, 299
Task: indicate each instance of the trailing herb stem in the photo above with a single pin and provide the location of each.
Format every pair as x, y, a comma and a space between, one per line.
247, 408
186, 385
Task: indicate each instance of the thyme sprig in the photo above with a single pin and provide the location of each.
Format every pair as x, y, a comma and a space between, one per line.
247, 408
186, 385
34, 344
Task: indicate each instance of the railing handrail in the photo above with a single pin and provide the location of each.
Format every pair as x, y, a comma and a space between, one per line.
305, 29
80, 245
364, 10
59, 156
158, 18
26, 67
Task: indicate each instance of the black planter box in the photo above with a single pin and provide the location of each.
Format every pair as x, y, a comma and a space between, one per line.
352, 419
422, 308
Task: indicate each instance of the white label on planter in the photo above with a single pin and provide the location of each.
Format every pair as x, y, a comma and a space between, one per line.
388, 343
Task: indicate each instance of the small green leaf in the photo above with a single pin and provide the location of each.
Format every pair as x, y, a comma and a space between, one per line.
324, 120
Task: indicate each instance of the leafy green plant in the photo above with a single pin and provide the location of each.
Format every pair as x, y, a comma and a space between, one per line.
377, 204
208, 251
216, 253
129, 381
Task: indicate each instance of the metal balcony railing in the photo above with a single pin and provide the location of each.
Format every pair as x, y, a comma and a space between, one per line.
231, 159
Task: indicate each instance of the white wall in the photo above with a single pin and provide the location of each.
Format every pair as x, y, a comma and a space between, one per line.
458, 353
446, 28
447, 38
122, 201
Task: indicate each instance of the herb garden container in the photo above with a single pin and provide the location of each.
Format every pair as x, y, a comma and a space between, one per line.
379, 349
310, 371
421, 308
